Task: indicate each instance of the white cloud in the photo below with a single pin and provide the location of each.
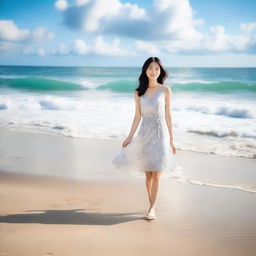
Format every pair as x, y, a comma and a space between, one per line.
41, 52
164, 20
100, 47
81, 2
10, 32
80, 47
243, 42
174, 20
248, 27
134, 11
61, 5
63, 50
147, 47
35, 52
100, 15
41, 34
215, 41
218, 41
167, 26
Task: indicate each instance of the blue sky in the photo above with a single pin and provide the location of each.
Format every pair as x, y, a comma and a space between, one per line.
195, 33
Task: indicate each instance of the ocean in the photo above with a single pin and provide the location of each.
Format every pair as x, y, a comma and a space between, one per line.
213, 109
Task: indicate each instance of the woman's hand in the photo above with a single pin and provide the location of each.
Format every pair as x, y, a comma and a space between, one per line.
174, 149
127, 141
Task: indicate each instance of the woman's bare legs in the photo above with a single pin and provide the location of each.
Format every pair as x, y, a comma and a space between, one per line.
152, 183
155, 187
149, 184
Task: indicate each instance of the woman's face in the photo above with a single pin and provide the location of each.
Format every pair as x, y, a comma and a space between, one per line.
153, 71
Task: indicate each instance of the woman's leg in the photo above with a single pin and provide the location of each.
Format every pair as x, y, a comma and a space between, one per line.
155, 187
149, 184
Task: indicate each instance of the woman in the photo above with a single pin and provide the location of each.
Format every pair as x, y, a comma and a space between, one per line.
150, 150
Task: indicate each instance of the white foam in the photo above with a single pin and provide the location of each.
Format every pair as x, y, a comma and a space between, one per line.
89, 83
244, 187
225, 109
106, 114
188, 81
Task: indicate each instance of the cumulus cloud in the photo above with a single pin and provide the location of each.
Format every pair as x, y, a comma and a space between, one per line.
61, 5
165, 19
167, 26
215, 41
212, 42
62, 49
101, 16
80, 47
35, 52
99, 47
10, 32
248, 27
81, 2
147, 47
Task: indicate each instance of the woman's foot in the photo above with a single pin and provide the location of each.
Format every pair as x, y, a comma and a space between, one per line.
151, 214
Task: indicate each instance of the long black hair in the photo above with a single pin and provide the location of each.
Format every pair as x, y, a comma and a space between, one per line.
143, 78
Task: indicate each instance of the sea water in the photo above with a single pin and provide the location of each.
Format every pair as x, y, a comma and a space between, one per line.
213, 109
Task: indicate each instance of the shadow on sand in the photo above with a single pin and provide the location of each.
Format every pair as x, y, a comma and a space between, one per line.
70, 217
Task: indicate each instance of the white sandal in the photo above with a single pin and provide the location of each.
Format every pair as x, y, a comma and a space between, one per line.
151, 215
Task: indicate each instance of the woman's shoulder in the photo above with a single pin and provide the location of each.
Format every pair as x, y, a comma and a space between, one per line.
136, 94
167, 89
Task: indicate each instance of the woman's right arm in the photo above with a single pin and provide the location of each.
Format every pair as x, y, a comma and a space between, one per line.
136, 120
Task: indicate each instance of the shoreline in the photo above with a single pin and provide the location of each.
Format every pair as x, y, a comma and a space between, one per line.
91, 159
59, 134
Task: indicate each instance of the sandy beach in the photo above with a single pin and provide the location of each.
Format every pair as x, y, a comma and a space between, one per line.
85, 208
174, 79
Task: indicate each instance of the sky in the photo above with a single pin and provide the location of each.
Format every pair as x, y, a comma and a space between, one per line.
182, 33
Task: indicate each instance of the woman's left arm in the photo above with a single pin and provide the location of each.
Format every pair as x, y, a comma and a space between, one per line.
168, 118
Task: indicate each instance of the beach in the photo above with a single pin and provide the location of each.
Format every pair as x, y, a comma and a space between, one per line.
171, 81
52, 204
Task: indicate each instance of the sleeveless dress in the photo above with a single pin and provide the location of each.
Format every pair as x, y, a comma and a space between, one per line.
150, 150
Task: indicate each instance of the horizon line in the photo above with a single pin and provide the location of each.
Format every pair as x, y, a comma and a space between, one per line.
3, 65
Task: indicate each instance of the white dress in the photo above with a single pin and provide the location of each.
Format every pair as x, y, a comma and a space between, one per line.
150, 150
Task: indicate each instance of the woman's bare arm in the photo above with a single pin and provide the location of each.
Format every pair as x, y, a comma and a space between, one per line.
137, 116
168, 118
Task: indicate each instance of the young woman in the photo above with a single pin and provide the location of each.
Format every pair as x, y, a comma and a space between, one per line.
152, 150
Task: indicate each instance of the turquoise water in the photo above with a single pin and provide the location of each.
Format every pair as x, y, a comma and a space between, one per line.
213, 109
125, 79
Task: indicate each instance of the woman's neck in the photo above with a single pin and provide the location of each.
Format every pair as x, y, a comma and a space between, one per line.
153, 84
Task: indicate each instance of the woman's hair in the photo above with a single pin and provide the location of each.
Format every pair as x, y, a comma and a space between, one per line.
143, 78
